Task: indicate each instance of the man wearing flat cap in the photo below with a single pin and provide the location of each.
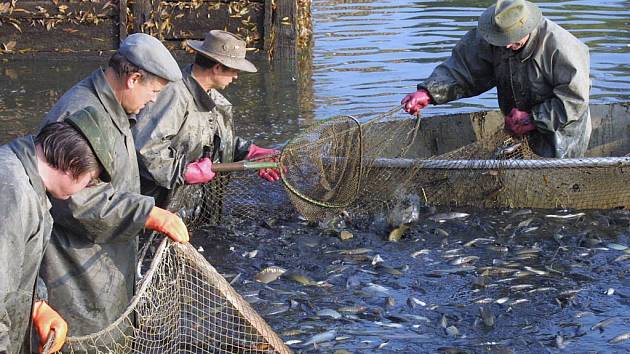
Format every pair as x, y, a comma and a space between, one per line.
60, 161
89, 265
190, 126
541, 72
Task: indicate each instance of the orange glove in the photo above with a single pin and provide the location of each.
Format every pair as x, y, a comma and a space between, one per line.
167, 223
47, 321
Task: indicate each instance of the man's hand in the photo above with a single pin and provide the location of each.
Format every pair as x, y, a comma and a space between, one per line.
416, 101
519, 123
259, 154
46, 322
199, 172
167, 223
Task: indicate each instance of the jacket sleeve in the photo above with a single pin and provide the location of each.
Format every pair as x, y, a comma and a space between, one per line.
567, 70
14, 232
102, 213
467, 72
157, 125
241, 148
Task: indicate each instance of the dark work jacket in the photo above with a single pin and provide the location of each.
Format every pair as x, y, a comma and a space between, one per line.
89, 267
24, 233
183, 125
549, 78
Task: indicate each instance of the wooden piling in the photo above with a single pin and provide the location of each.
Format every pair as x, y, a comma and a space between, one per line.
42, 27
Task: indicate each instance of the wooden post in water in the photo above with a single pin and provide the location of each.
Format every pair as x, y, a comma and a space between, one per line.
141, 13
122, 21
280, 27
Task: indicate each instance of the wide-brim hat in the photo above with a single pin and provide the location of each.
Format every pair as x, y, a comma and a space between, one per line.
87, 122
509, 21
225, 48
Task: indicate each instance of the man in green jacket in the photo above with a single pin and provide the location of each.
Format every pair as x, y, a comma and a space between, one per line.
540, 70
190, 126
62, 160
90, 265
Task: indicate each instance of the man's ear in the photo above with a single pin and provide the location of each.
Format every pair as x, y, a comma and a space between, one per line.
132, 80
217, 68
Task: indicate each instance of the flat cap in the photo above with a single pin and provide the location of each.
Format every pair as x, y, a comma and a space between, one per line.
88, 122
150, 54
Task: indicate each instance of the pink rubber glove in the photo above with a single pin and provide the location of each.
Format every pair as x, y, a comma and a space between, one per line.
259, 154
416, 101
519, 122
199, 172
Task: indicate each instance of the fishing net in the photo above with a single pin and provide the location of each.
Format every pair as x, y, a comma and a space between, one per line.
389, 160
355, 167
183, 305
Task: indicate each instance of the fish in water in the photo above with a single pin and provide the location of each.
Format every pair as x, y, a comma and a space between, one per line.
441, 217
620, 338
320, 338
406, 210
269, 274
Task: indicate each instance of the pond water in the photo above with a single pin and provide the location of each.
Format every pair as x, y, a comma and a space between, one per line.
549, 282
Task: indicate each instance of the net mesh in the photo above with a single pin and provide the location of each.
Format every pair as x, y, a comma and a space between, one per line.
385, 160
351, 167
183, 305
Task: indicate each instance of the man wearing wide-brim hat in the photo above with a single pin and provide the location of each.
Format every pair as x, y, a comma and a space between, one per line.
190, 126
540, 70
90, 263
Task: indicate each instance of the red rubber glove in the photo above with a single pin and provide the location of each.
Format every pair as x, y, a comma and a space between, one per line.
171, 225
47, 321
416, 101
259, 154
519, 122
199, 172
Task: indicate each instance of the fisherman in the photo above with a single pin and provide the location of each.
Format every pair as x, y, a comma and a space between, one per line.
190, 126
62, 160
89, 266
541, 72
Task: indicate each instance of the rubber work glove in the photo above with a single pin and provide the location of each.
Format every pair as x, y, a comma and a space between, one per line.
46, 321
416, 101
171, 225
199, 172
257, 153
519, 122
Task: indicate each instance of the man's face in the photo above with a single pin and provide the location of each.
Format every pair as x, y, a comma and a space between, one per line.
63, 186
140, 92
224, 76
518, 45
